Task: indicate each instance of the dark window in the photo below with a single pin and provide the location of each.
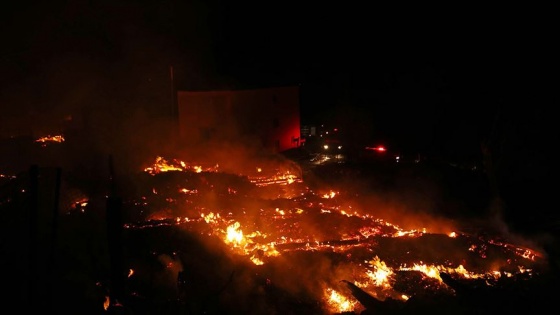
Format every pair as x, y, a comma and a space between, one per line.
275, 122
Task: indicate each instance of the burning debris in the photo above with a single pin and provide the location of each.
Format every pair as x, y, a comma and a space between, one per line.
365, 252
200, 240
50, 139
162, 165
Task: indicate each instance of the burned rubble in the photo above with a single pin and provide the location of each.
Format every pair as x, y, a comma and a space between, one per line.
197, 240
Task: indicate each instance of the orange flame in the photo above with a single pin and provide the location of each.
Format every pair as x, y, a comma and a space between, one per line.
106, 303
339, 303
49, 138
284, 236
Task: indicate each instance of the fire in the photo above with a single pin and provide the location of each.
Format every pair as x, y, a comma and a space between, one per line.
49, 138
278, 178
107, 302
79, 204
234, 234
211, 217
247, 246
330, 194
430, 271
319, 222
339, 303
188, 191
381, 273
162, 165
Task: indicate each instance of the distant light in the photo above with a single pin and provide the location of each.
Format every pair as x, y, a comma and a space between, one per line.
378, 148
335, 129
326, 147
339, 147
327, 132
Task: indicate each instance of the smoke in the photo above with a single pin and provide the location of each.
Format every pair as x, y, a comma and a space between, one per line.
100, 70
543, 242
411, 197
290, 282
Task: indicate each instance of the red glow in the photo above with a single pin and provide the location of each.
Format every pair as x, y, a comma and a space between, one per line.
378, 148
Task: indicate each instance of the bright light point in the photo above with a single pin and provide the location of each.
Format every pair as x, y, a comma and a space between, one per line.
339, 147
326, 147
378, 148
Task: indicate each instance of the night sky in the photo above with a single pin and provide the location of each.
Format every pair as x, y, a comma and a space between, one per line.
426, 79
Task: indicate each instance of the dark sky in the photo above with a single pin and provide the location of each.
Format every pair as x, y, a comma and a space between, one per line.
417, 76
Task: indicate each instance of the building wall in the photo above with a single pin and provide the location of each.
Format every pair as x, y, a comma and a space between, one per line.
270, 117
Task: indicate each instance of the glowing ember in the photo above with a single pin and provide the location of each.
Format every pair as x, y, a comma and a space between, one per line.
49, 138
277, 179
163, 165
331, 194
260, 230
211, 217
188, 191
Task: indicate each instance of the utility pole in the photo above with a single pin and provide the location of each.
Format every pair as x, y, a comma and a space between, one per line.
115, 231
174, 103
173, 93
